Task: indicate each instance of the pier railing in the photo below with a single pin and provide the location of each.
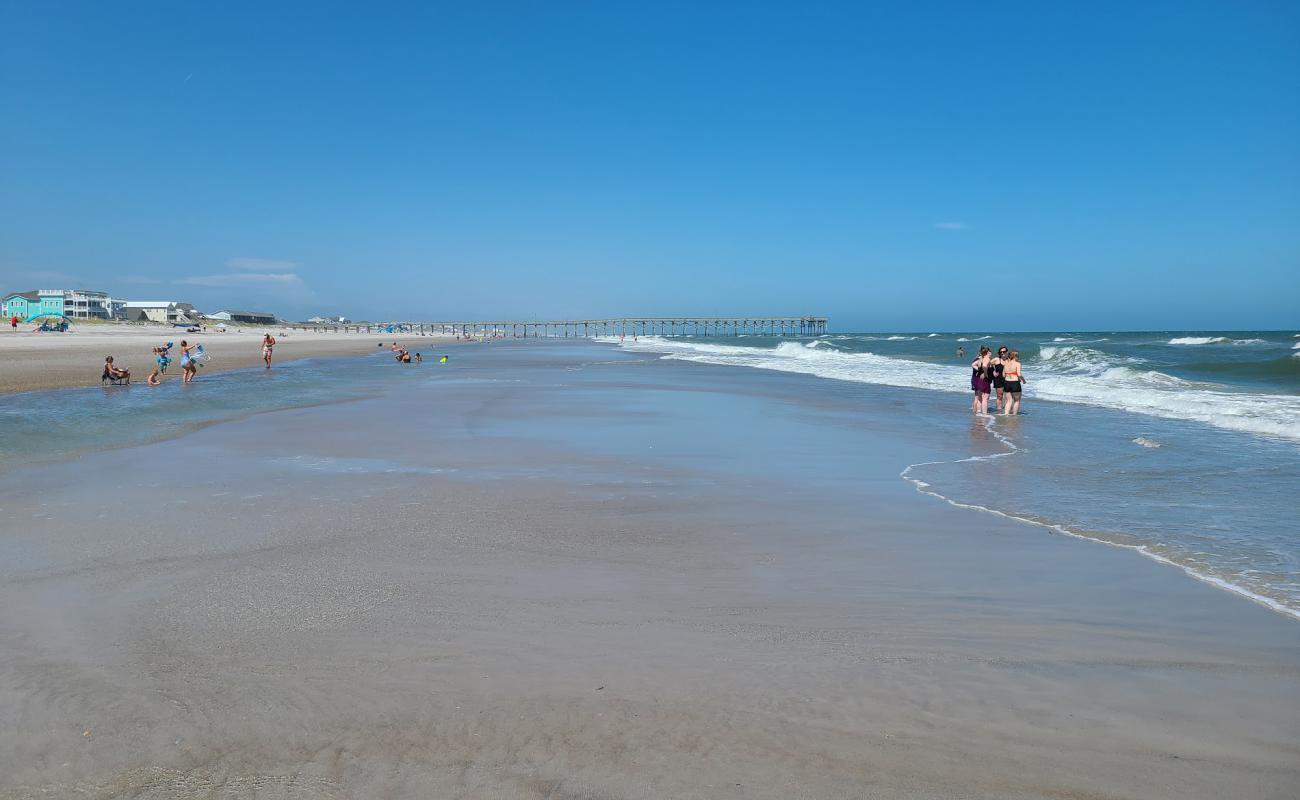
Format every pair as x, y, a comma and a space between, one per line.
590, 328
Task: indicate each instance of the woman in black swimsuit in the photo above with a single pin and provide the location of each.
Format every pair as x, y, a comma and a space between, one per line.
1014, 382
999, 382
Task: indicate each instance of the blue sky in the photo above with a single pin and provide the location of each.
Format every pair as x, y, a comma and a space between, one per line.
911, 166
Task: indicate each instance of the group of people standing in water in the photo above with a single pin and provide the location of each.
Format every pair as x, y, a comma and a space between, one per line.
999, 373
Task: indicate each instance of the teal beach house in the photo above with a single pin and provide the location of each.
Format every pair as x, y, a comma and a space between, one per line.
25, 304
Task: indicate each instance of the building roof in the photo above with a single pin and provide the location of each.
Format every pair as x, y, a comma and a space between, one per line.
32, 295
233, 312
149, 303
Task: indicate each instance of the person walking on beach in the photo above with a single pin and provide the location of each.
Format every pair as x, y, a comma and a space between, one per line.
268, 344
1015, 381
189, 367
13, 322
981, 380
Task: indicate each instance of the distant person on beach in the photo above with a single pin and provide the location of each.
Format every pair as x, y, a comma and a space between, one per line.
1014, 382
189, 367
998, 381
114, 373
981, 380
268, 344
13, 322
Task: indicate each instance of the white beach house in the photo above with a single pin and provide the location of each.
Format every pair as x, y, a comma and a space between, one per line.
169, 312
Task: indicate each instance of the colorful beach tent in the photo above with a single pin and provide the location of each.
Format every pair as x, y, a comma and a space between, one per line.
51, 322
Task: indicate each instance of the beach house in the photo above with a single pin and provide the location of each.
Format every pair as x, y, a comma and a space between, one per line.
246, 317
168, 312
74, 303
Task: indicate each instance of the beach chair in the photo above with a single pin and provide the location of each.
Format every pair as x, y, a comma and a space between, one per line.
108, 380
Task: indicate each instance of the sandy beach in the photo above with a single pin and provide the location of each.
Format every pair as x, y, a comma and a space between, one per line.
30, 361
562, 571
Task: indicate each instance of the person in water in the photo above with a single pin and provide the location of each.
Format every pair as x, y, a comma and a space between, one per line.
1015, 381
981, 380
998, 381
961, 351
115, 373
189, 366
268, 344
154, 377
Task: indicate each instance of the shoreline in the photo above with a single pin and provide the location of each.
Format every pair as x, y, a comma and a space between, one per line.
40, 361
1222, 584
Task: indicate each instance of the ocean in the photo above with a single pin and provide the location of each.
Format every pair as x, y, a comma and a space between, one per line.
1181, 446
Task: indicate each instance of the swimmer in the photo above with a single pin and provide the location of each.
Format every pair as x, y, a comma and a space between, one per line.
998, 380
1014, 382
419, 359
981, 380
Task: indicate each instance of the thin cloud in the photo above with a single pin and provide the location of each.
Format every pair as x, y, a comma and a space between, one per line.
951, 226
287, 279
48, 278
269, 265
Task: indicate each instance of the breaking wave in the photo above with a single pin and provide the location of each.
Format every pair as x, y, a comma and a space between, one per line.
1065, 374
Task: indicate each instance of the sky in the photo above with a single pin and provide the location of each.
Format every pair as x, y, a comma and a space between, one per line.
909, 166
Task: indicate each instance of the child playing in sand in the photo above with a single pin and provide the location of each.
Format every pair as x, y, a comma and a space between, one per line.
115, 373
154, 378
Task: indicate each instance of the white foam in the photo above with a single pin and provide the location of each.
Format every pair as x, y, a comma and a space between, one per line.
899, 338
1214, 340
1198, 340
1065, 374
980, 339
931, 336
1145, 442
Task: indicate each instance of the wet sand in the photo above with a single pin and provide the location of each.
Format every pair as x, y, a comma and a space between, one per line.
32, 361
562, 572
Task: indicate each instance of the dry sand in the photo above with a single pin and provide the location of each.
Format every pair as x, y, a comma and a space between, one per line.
30, 361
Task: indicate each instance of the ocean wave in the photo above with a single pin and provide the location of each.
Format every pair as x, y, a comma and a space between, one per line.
1074, 375
980, 339
899, 338
1198, 340
1145, 442
931, 336
1213, 340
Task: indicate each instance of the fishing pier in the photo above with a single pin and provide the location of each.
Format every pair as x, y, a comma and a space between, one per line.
590, 328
